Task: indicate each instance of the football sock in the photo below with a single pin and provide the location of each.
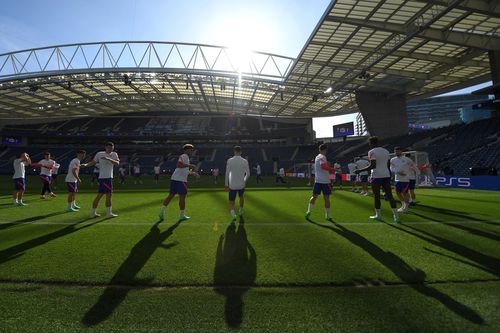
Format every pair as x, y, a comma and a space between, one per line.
16, 201
182, 212
162, 211
395, 212
377, 212
310, 207
70, 205
241, 210
233, 214
94, 211
327, 211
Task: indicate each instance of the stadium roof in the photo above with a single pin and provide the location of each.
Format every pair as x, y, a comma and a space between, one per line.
421, 48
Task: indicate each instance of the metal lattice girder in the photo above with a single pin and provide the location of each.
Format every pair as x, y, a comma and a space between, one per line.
491, 8
490, 42
160, 56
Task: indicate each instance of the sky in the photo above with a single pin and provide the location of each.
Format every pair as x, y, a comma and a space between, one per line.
275, 26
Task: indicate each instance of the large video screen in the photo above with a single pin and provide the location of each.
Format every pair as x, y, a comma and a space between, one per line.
12, 140
343, 130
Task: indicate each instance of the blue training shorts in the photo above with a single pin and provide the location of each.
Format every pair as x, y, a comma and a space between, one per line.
401, 187
325, 188
232, 194
72, 187
19, 184
413, 182
178, 187
106, 185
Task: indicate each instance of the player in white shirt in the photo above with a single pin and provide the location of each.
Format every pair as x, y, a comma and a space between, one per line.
122, 172
352, 176
19, 178
215, 174
401, 167
362, 163
178, 182
414, 173
46, 166
73, 179
237, 174
156, 170
381, 177
338, 174
280, 176
258, 173
55, 172
107, 159
322, 182
137, 173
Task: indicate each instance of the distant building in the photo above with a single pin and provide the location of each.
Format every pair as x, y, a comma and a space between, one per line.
436, 111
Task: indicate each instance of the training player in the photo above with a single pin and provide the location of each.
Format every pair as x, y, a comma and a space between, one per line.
122, 172
352, 176
19, 178
322, 183
215, 174
362, 163
95, 173
107, 159
338, 174
178, 182
55, 172
46, 166
156, 170
237, 173
258, 173
73, 179
137, 173
414, 172
400, 166
381, 177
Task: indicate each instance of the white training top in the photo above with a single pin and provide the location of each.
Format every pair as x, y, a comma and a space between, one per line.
401, 164
74, 164
337, 168
105, 166
157, 170
19, 171
281, 172
137, 169
352, 167
258, 169
122, 170
237, 172
215, 172
181, 174
47, 163
361, 164
322, 176
381, 156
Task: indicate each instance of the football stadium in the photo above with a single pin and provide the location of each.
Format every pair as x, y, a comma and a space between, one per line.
152, 185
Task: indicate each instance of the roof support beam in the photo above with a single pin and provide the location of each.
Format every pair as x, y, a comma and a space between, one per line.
490, 8
405, 54
459, 38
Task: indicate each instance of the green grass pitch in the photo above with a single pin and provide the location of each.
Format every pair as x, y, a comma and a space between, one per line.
272, 271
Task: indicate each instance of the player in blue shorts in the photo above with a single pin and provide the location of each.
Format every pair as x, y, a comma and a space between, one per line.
19, 178
322, 183
107, 159
401, 166
178, 182
73, 179
237, 174
381, 177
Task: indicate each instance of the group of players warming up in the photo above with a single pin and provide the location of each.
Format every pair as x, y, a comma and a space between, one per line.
237, 173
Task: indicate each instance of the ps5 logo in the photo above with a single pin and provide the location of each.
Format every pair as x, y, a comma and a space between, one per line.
453, 181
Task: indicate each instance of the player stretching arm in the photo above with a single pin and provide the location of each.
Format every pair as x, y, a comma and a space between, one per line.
19, 178
321, 182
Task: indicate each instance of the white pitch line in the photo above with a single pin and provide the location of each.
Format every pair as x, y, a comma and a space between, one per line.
221, 224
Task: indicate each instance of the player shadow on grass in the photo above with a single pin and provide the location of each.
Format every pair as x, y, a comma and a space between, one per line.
17, 250
119, 285
459, 214
413, 277
28, 220
235, 271
474, 231
486, 263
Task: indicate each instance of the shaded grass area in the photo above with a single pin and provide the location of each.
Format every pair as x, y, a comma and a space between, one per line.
27, 307
329, 265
